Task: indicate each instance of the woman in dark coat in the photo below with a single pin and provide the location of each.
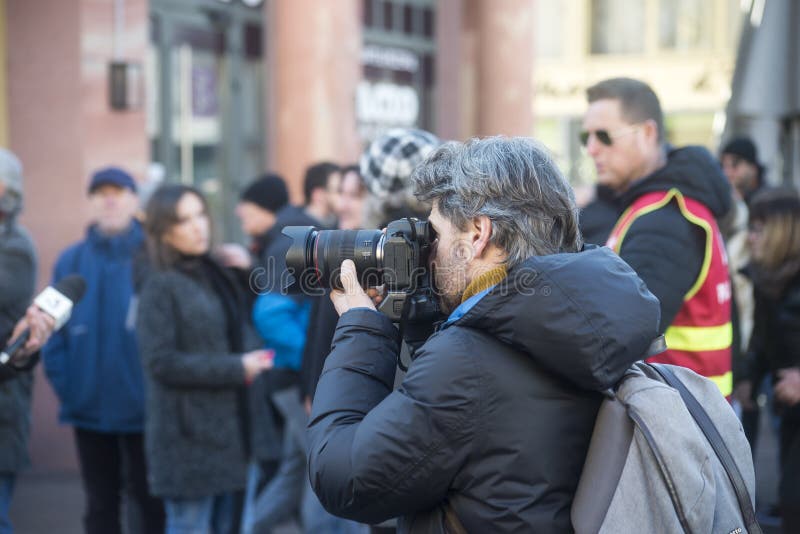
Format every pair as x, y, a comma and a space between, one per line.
193, 336
774, 238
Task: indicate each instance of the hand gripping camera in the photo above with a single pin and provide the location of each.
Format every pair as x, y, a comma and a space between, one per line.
397, 258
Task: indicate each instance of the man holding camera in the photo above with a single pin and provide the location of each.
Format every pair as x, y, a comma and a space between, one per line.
489, 429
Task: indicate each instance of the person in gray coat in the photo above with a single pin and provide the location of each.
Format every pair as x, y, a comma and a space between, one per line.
17, 283
194, 340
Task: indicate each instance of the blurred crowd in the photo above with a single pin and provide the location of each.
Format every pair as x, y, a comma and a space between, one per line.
188, 373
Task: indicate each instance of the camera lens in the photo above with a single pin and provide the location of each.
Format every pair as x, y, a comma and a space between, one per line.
316, 256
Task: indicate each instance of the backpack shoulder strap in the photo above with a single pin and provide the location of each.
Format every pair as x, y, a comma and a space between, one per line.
602, 468
717, 443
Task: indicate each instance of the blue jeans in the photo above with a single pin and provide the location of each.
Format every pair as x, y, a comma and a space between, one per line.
6, 491
279, 500
317, 519
207, 515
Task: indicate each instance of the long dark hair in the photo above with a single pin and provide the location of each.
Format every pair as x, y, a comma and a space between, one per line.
160, 216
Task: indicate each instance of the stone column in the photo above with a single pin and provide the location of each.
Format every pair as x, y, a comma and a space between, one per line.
452, 81
490, 91
313, 49
505, 66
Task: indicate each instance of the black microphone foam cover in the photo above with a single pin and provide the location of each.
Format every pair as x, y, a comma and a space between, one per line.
72, 286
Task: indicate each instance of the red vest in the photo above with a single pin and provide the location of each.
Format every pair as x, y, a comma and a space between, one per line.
700, 336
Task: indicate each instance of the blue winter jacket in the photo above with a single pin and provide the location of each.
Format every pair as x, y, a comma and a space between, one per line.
281, 319
93, 362
282, 322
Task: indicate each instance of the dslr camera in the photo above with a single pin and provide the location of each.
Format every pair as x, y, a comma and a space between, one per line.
396, 258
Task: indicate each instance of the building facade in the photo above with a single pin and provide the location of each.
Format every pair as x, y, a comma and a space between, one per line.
685, 49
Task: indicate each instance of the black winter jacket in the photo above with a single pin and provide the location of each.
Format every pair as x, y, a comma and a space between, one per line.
663, 247
598, 218
775, 342
321, 327
266, 419
494, 417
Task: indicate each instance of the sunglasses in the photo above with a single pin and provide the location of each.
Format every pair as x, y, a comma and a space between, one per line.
604, 136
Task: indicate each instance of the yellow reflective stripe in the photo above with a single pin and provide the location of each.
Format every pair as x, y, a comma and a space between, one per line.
674, 193
724, 383
643, 211
699, 338
621, 227
709, 240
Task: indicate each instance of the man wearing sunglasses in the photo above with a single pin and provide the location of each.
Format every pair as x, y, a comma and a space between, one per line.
669, 202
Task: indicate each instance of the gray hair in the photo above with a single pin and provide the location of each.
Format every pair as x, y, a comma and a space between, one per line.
11, 177
513, 181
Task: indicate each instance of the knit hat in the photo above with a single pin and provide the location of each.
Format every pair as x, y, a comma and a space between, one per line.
388, 162
112, 176
743, 148
11, 178
268, 192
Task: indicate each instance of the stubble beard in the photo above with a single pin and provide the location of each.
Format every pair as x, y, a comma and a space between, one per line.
450, 278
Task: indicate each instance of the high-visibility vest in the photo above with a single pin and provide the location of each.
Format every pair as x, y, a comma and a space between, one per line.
701, 335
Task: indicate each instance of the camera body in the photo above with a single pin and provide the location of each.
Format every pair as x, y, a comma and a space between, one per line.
396, 258
406, 250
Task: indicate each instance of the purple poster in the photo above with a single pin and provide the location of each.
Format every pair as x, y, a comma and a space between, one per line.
205, 101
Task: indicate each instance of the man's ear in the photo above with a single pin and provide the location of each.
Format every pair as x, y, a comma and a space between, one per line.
480, 234
650, 131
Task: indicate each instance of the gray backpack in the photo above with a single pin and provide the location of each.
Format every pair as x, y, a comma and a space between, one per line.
667, 454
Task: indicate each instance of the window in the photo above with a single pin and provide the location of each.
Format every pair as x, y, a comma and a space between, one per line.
683, 24
398, 59
549, 24
617, 27
690, 128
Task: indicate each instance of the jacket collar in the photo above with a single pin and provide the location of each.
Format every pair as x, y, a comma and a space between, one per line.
475, 291
117, 245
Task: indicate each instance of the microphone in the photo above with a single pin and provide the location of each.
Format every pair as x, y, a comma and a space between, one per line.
56, 301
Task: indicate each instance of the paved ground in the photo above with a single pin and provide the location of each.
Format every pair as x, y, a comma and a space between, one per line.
47, 503
50, 503
767, 474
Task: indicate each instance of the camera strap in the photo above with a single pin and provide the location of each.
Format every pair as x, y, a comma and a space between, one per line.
402, 327
413, 227
406, 302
